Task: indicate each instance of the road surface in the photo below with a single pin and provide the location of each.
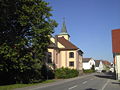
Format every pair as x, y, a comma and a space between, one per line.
97, 81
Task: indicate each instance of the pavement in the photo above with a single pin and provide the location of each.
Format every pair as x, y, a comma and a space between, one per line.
95, 81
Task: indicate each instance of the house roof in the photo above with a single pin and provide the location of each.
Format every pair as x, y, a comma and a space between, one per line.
105, 62
97, 62
116, 41
86, 59
67, 44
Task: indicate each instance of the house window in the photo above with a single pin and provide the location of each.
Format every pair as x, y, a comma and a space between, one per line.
49, 57
71, 64
71, 55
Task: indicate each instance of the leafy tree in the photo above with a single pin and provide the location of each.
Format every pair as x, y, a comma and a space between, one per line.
93, 68
25, 27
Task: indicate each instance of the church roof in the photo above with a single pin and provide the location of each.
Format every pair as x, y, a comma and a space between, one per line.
67, 44
64, 29
52, 45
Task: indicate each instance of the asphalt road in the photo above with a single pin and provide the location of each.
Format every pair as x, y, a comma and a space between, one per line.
97, 81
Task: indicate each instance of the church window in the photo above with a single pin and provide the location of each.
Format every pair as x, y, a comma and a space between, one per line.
71, 55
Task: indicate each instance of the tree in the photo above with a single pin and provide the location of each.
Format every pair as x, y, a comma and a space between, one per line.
25, 27
93, 68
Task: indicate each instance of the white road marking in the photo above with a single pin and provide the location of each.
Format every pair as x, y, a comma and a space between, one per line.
72, 87
105, 85
84, 82
91, 79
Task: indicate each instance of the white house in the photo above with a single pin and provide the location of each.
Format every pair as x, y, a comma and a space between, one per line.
88, 63
99, 66
117, 65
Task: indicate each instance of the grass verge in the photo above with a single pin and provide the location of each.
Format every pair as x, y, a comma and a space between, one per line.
13, 86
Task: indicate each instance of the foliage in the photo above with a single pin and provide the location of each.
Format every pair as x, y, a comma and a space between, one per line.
88, 71
47, 72
25, 28
93, 68
11, 87
64, 73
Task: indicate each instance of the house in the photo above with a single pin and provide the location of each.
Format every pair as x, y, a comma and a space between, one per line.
88, 63
107, 65
116, 51
63, 53
99, 66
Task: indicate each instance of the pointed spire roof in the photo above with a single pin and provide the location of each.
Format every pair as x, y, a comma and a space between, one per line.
64, 30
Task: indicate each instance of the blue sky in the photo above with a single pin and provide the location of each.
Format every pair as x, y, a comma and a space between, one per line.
89, 23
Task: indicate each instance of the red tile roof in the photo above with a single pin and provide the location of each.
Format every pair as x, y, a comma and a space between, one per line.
67, 44
116, 41
106, 62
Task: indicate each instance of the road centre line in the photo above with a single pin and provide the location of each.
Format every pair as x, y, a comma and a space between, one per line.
105, 84
72, 87
84, 82
92, 78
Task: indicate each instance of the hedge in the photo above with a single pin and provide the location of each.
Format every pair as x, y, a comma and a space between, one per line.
88, 71
64, 73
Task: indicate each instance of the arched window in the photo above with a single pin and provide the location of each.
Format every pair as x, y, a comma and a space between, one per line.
71, 55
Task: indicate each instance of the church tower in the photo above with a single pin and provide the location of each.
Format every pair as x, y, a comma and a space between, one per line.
63, 32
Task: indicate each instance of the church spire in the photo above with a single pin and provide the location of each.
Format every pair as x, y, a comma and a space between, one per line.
64, 30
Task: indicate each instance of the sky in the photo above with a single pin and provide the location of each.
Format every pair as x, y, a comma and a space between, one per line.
89, 23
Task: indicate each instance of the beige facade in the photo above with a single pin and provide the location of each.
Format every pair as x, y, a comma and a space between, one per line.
62, 58
67, 37
117, 66
64, 53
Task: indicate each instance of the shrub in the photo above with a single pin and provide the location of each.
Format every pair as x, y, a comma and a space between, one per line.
88, 71
64, 73
47, 73
93, 68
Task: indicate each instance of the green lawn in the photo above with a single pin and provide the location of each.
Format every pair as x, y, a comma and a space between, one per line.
13, 86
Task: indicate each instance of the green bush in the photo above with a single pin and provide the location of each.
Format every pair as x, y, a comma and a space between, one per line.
88, 71
64, 73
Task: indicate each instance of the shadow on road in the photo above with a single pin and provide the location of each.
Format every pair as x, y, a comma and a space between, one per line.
116, 83
106, 75
90, 89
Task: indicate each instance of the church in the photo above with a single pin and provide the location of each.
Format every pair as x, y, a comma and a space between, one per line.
63, 53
